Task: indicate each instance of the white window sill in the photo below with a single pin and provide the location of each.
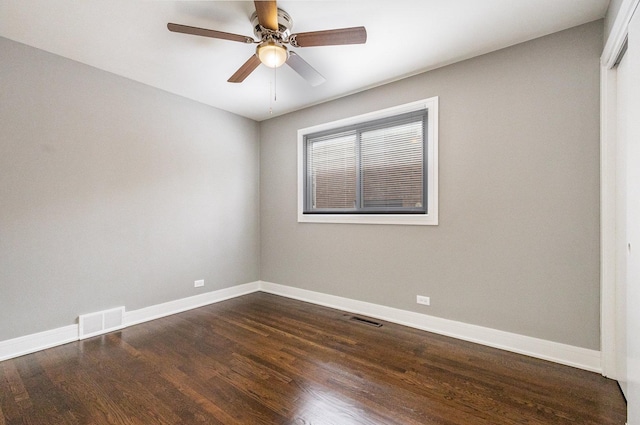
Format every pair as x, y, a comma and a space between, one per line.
402, 219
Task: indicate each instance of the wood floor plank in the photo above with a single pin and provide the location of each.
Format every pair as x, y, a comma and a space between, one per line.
10, 409
264, 359
212, 384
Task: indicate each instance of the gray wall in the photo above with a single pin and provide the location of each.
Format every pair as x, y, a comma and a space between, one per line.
114, 193
517, 247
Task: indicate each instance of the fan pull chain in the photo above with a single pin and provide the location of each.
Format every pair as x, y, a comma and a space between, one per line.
273, 87
270, 98
275, 84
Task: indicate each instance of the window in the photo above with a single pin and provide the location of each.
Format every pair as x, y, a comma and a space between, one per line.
378, 168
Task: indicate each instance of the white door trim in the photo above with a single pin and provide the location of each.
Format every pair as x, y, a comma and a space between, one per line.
612, 49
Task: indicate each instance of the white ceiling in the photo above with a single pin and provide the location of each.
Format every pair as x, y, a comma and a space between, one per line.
405, 37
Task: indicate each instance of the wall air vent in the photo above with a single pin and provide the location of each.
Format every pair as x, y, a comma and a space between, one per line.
100, 322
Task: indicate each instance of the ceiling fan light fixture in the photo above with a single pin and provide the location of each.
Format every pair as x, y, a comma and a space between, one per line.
272, 53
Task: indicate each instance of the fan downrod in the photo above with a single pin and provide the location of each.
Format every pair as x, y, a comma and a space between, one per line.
285, 24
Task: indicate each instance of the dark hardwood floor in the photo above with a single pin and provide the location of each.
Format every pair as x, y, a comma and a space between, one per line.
263, 359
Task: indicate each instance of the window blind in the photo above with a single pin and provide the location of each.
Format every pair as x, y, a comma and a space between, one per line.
332, 163
372, 167
392, 166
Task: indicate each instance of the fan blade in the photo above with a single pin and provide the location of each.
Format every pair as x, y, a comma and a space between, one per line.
209, 33
267, 13
246, 69
355, 35
305, 70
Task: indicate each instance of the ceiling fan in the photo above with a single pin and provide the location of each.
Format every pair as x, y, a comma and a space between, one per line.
272, 27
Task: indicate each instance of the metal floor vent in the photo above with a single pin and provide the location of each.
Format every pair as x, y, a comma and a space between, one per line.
101, 322
365, 321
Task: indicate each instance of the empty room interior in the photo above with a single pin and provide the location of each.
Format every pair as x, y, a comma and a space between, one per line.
320, 212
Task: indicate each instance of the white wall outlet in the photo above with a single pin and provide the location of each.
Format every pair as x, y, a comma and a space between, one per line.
423, 300
198, 283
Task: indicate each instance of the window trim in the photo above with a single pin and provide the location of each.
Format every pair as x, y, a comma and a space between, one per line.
430, 218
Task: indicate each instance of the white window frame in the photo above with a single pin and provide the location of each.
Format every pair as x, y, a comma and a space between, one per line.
430, 218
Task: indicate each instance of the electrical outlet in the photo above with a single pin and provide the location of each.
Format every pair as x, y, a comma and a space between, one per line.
198, 283
423, 300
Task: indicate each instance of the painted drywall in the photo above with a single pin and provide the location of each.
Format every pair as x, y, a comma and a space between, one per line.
113, 193
517, 245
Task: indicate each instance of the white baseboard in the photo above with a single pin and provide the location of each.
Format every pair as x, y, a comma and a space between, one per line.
578, 357
178, 306
28, 344
560, 353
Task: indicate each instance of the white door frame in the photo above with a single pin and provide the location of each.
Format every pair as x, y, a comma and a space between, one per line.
612, 50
